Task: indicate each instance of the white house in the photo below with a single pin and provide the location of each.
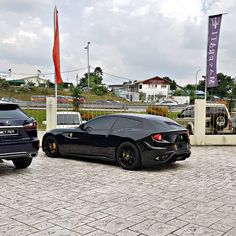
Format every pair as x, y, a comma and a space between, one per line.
36, 81
151, 89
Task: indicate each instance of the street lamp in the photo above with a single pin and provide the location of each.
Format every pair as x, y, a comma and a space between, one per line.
87, 48
9, 72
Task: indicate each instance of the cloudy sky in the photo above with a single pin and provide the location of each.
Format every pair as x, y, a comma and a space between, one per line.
131, 39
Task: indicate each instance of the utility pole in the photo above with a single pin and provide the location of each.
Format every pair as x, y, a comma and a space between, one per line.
196, 82
77, 78
87, 48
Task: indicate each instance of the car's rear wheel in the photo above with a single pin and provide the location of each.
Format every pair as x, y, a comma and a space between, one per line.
50, 146
127, 156
23, 162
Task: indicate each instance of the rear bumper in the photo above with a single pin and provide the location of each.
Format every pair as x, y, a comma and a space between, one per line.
15, 150
165, 154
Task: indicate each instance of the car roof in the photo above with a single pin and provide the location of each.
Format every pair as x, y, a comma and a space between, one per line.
210, 105
140, 116
67, 112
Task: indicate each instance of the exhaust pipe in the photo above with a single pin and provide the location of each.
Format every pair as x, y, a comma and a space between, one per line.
32, 154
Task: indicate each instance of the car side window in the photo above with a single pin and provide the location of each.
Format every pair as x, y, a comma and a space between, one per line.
122, 123
104, 123
188, 112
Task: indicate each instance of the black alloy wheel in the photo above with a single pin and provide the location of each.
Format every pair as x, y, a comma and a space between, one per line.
50, 146
127, 156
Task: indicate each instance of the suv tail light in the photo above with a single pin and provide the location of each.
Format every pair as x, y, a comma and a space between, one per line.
30, 126
157, 137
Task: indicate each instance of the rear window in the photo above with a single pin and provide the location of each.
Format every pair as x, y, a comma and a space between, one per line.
68, 119
163, 124
10, 112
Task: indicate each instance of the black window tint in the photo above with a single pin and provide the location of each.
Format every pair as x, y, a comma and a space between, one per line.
104, 123
125, 123
12, 114
173, 125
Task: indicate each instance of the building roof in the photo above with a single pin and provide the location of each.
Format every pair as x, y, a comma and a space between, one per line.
156, 78
26, 78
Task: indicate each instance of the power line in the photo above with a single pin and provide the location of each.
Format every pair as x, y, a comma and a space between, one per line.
117, 76
48, 73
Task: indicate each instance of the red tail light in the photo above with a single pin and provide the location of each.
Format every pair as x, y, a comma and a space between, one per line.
157, 137
30, 126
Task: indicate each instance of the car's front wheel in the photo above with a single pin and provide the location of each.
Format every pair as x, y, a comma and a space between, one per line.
127, 156
23, 162
50, 146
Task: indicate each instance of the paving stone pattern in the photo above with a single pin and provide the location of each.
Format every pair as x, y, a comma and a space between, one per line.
77, 197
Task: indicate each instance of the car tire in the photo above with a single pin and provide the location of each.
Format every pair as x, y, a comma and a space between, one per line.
219, 121
23, 162
50, 146
127, 156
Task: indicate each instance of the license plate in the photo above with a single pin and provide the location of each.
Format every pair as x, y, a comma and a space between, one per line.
8, 132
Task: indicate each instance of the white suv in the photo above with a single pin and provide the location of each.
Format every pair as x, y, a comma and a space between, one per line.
67, 119
218, 118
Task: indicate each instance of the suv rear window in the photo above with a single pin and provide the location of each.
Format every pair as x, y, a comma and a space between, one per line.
68, 119
11, 112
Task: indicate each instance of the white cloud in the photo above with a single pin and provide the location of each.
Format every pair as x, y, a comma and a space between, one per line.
135, 39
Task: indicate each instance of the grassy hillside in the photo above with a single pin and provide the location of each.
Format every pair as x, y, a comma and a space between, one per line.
25, 94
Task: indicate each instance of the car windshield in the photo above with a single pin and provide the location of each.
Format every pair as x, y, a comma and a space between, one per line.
68, 119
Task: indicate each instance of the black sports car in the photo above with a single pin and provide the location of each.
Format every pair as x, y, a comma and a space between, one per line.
18, 135
132, 140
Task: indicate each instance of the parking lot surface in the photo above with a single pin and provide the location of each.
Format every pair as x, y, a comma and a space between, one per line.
77, 197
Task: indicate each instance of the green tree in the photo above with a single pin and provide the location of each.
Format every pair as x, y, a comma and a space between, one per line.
75, 93
4, 84
95, 78
225, 86
173, 85
99, 89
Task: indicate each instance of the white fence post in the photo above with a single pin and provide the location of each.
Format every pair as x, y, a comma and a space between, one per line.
199, 122
51, 112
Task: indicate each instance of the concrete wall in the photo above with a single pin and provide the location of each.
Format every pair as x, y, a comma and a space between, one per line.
51, 113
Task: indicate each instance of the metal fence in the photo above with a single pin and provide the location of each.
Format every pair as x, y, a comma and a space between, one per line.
92, 110
218, 119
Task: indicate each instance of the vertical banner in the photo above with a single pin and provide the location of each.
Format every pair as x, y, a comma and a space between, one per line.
56, 49
212, 47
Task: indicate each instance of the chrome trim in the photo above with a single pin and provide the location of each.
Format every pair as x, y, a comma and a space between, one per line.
10, 155
11, 127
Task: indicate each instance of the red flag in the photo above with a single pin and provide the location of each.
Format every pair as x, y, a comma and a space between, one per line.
56, 50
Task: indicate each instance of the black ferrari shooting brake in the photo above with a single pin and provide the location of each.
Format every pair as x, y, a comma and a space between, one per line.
132, 140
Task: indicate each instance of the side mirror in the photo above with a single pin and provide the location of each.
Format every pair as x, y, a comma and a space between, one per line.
82, 126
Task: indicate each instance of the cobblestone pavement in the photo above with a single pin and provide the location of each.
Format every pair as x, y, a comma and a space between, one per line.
77, 197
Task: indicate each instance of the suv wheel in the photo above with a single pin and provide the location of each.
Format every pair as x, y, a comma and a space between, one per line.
219, 121
21, 163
